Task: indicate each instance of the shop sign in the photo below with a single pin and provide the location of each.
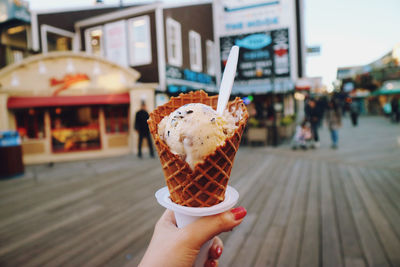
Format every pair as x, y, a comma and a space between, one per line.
16, 9
183, 80
67, 81
252, 16
265, 31
262, 55
115, 42
174, 88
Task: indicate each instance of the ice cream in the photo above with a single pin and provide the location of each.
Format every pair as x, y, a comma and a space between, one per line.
202, 184
195, 130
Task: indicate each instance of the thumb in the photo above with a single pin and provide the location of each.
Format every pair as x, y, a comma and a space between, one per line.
207, 227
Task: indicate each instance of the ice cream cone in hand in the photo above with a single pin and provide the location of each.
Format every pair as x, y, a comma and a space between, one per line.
196, 146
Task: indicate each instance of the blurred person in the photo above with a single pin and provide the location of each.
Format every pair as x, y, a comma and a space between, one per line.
334, 121
313, 115
142, 128
321, 105
354, 112
395, 109
171, 246
302, 136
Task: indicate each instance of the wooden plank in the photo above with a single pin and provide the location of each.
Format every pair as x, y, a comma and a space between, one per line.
30, 238
373, 251
247, 254
112, 245
117, 193
385, 232
310, 247
75, 244
112, 191
390, 191
235, 240
269, 250
253, 201
348, 233
290, 249
373, 181
78, 248
350, 262
331, 250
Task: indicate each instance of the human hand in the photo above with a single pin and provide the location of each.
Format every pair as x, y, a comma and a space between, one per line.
171, 246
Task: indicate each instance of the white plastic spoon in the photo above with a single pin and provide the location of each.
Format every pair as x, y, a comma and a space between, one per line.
227, 79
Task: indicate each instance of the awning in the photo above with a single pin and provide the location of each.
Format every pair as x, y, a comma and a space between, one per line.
388, 88
52, 101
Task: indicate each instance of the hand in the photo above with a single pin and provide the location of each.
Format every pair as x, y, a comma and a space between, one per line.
171, 246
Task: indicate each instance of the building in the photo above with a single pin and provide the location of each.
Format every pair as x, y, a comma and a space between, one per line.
175, 48
27, 32
69, 106
172, 45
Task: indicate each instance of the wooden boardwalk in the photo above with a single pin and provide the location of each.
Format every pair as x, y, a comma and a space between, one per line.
305, 208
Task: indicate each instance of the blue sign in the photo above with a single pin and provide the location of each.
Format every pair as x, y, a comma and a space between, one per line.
172, 88
189, 75
255, 41
9, 138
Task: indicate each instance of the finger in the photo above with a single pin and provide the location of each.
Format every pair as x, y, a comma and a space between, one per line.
211, 263
207, 227
216, 249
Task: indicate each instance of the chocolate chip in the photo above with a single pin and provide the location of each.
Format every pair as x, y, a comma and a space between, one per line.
168, 133
213, 120
181, 117
189, 111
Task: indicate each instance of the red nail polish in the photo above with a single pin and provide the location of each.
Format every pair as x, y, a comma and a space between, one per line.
213, 263
218, 251
239, 212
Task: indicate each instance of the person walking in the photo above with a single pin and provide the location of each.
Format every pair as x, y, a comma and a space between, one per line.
334, 121
395, 109
142, 128
354, 112
313, 115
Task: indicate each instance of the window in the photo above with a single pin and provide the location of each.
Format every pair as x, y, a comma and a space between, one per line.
115, 42
56, 39
195, 51
210, 57
75, 128
117, 118
139, 41
174, 42
94, 41
30, 123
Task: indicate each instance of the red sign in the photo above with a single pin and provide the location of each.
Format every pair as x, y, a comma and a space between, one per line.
67, 81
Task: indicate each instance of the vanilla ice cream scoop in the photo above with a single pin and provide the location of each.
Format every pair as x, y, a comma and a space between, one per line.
195, 130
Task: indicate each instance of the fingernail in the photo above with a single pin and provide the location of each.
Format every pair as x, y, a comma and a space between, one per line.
239, 212
213, 263
218, 251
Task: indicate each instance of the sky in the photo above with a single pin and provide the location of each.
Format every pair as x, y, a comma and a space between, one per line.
349, 32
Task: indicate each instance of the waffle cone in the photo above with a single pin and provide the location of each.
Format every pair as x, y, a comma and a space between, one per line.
204, 186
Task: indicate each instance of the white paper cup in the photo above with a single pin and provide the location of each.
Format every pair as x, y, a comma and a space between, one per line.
186, 215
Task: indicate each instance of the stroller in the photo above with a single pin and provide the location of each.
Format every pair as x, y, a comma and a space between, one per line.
303, 136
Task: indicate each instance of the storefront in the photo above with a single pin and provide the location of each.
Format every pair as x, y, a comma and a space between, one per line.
69, 106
